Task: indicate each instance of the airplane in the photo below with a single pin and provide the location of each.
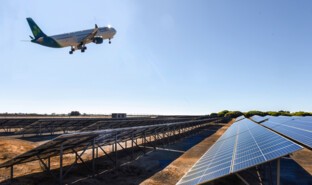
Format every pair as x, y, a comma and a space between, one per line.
76, 40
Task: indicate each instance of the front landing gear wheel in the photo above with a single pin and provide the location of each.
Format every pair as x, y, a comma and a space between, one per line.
109, 41
72, 50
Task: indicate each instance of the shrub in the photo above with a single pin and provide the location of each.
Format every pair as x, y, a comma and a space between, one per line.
74, 113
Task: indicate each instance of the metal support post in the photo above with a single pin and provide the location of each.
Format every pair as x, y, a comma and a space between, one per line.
97, 152
241, 178
11, 173
116, 149
144, 141
93, 157
278, 171
49, 163
61, 164
132, 152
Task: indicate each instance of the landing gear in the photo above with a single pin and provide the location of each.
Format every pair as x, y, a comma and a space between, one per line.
109, 41
83, 49
72, 50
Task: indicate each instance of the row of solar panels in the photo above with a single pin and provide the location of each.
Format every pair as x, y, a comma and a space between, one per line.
80, 140
245, 144
296, 128
65, 125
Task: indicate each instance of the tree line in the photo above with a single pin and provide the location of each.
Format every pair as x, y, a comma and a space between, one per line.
235, 114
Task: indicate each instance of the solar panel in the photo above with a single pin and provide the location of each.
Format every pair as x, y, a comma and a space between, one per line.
240, 118
245, 144
258, 119
296, 128
67, 125
11, 123
101, 125
58, 125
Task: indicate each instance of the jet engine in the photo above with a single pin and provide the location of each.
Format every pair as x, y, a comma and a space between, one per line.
97, 40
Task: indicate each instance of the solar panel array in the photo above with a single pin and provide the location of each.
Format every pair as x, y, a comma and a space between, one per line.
13, 123
296, 128
109, 124
245, 144
80, 140
55, 125
68, 125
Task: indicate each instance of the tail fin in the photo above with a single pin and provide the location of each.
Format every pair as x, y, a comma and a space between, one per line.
35, 28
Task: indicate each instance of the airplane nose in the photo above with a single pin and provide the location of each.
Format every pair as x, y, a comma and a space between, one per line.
114, 31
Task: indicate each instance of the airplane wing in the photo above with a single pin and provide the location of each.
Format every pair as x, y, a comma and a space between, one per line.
89, 37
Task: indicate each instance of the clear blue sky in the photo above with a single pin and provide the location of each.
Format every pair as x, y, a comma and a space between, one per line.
168, 57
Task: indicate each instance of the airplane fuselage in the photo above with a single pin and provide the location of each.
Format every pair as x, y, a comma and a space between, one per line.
73, 38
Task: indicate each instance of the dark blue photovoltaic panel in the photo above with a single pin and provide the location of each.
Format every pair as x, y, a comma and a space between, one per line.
240, 118
258, 119
296, 128
245, 144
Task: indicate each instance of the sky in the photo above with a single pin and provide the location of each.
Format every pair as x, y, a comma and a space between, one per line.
168, 57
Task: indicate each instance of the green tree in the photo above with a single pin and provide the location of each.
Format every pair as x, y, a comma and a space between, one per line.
273, 113
284, 113
255, 112
213, 115
222, 113
301, 113
233, 114
74, 113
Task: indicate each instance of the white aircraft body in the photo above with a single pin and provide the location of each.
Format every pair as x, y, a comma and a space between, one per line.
76, 40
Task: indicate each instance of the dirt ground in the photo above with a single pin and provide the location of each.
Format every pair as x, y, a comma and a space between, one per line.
304, 159
11, 147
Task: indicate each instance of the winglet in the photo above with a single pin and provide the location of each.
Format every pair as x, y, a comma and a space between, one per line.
96, 26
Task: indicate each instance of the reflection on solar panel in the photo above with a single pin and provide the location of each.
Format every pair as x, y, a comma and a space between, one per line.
245, 144
296, 128
240, 118
258, 119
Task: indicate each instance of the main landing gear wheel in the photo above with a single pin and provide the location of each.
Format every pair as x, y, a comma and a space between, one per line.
71, 52
83, 49
109, 41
